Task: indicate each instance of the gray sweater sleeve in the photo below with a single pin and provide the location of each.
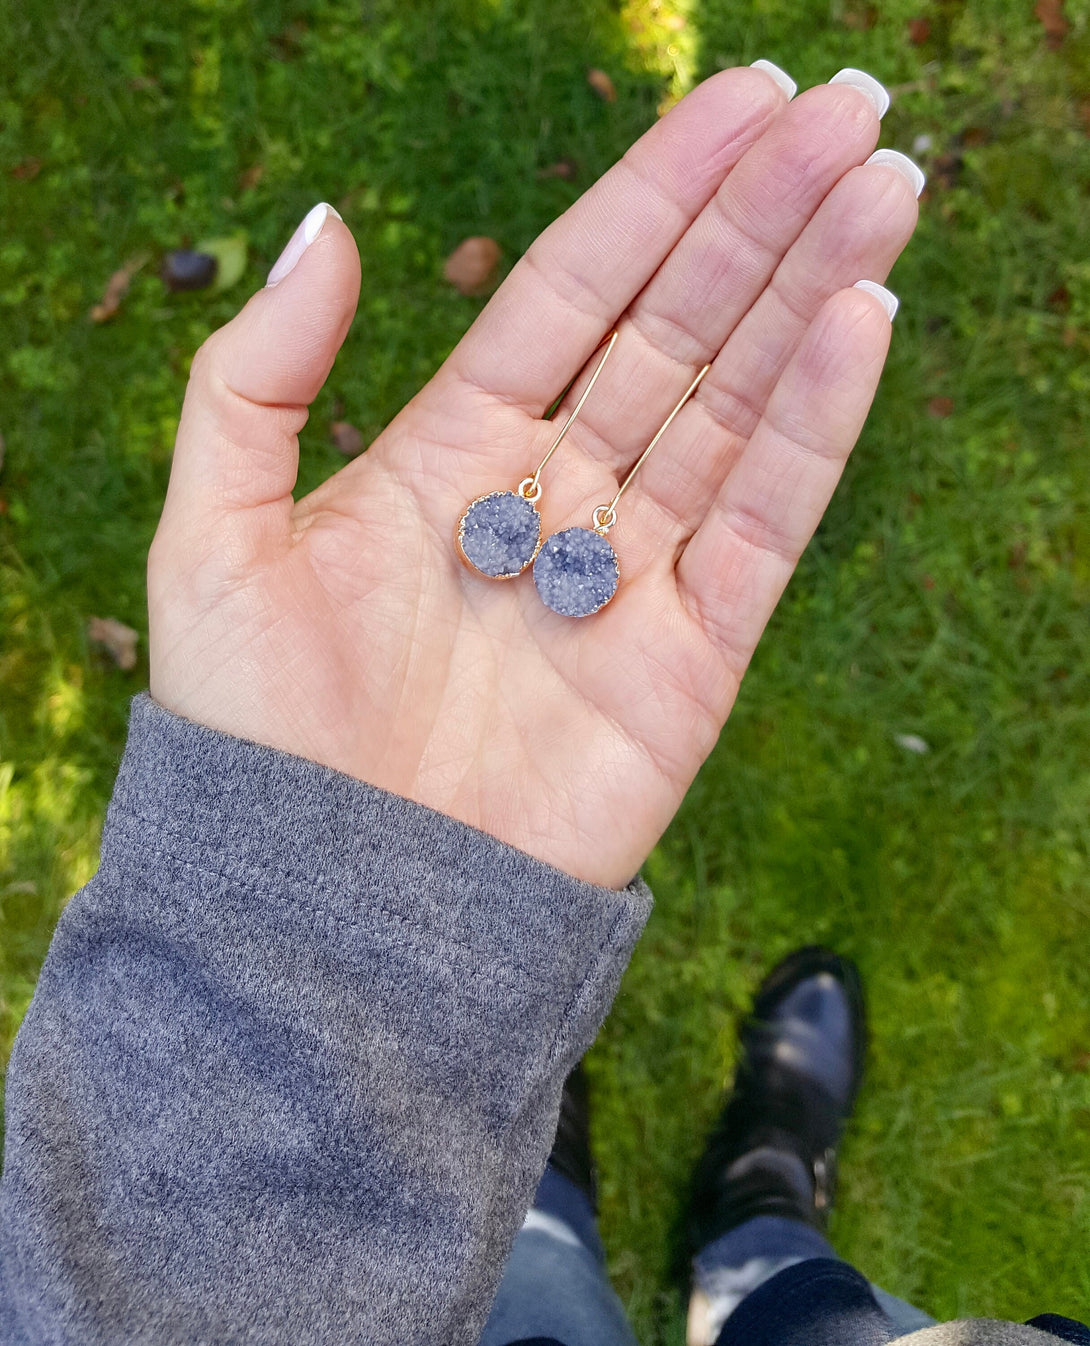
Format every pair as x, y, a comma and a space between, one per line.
293, 1064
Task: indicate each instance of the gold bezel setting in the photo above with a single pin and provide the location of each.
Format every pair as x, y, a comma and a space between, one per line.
460, 533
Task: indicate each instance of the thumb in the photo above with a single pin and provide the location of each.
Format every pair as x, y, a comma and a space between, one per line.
252, 381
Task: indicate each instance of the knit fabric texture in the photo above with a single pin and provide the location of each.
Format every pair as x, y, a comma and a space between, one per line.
294, 1061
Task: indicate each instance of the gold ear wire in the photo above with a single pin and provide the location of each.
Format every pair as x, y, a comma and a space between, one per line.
530, 487
605, 516
576, 572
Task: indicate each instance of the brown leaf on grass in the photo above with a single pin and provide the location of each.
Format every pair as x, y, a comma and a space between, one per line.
919, 30
602, 85
250, 177
116, 289
1053, 21
346, 439
945, 170
286, 45
471, 267
563, 168
940, 407
26, 170
861, 18
117, 639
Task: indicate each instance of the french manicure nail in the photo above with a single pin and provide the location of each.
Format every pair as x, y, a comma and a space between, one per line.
903, 164
303, 237
886, 298
782, 78
859, 79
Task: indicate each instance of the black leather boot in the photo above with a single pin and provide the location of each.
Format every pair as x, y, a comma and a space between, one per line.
774, 1149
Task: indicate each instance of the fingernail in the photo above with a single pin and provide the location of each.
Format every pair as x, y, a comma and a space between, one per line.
903, 164
859, 79
782, 78
886, 298
303, 237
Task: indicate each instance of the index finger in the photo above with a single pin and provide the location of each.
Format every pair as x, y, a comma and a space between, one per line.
584, 270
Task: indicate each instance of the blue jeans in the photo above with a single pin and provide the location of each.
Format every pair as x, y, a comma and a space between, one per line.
555, 1285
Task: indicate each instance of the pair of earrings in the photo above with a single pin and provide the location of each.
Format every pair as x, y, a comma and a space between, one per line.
576, 571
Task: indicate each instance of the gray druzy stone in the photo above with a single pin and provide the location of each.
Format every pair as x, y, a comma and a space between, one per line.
499, 534
576, 572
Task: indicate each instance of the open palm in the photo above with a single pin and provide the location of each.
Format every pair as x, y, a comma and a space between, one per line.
343, 627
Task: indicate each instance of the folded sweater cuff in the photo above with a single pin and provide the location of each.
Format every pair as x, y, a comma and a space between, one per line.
323, 843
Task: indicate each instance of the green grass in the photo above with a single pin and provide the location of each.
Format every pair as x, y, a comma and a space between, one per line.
945, 596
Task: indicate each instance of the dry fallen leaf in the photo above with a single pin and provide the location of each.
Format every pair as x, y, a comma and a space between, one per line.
116, 289
602, 85
471, 267
116, 638
919, 30
1053, 20
946, 169
861, 18
940, 407
287, 44
27, 169
250, 177
346, 438
563, 168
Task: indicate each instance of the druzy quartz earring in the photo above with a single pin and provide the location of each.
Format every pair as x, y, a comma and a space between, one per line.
499, 534
576, 572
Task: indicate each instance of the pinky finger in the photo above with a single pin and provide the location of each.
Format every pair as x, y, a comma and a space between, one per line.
737, 564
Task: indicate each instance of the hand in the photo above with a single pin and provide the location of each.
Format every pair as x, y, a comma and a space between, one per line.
343, 628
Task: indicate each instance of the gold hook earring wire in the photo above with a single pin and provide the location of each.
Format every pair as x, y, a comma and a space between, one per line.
530, 487
605, 516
